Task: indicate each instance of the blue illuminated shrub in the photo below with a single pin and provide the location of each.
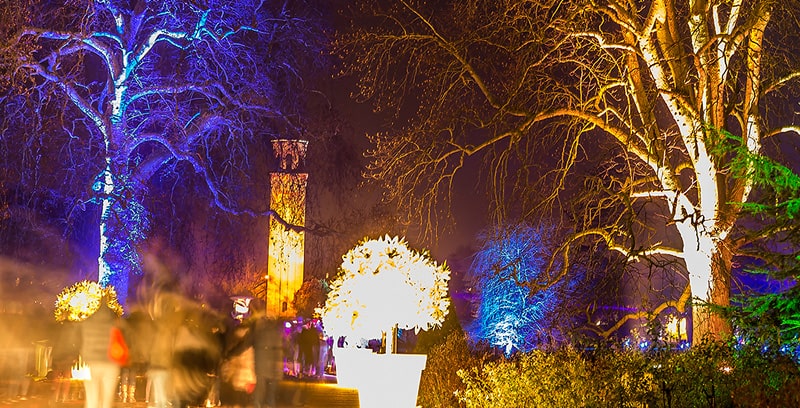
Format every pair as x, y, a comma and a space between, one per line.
513, 314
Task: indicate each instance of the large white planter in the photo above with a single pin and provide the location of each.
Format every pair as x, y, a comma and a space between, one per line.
382, 380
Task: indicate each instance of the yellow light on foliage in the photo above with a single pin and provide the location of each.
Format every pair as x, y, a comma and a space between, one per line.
382, 283
79, 301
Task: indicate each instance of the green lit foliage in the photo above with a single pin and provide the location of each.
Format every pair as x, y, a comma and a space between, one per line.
535, 379
781, 184
440, 381
709, 375
770, 318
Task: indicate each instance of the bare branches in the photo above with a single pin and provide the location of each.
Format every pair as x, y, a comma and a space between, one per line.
154, 91
535, 89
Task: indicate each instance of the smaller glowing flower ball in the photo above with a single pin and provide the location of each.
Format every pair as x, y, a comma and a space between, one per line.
79, 301
383, 282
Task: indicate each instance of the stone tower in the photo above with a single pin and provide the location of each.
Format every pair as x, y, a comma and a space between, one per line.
286, 245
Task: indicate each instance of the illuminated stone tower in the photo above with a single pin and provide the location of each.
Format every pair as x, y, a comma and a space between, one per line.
286, 245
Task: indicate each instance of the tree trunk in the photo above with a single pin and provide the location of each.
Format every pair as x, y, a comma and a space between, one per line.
706, 323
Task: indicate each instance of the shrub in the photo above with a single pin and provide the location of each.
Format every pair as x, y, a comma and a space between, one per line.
535, 379
440, 381
708, 375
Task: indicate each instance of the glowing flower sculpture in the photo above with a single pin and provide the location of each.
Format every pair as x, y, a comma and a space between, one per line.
383, 283
79, 301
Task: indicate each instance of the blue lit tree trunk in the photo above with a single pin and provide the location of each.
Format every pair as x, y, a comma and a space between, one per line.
167, 87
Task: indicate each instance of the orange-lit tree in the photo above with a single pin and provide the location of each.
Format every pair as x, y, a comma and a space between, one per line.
622, 97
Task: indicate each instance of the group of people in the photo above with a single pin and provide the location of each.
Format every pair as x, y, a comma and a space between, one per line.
189, 355
308, 351
180, 353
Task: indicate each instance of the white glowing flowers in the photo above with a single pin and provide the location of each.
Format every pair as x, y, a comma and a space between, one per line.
382, 283
81, 300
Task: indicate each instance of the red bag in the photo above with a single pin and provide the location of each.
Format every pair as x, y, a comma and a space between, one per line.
117, 348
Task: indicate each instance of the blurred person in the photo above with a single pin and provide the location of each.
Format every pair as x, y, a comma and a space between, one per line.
16, 362
197, 353
66, 347
138, 334
238, 367
324, 361
291, 349
186, 350
267, 339
161, 329
158, 294
95, 331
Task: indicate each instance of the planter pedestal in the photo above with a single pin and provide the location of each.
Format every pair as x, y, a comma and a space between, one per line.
382, 380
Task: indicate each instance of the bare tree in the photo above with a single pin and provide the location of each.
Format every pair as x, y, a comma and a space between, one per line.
130, 91
537, 89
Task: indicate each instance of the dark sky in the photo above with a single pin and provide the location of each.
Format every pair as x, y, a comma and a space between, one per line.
469, 206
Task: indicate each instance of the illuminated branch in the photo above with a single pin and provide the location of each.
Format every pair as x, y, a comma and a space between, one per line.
679, 305
94, 115
780, 82
140, 109
783, 129
482, 90
601, 42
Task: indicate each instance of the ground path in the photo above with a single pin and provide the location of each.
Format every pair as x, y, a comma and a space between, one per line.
292, 393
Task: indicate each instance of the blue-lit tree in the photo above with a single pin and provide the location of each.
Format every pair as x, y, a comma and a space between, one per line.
518, 299
129, 91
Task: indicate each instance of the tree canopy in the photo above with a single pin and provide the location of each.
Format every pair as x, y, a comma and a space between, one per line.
607, 112
110, 100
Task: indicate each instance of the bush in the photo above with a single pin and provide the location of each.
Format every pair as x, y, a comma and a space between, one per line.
534, 379
709, 375
440, 380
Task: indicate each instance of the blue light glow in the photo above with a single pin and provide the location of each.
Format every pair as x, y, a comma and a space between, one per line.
510, 316
185, 89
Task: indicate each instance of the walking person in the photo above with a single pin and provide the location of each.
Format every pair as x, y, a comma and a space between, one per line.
139, 336
96, 337
268, 354
66, 349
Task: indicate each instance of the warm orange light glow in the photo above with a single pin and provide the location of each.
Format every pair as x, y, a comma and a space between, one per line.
676, 328
286, 245
81, 300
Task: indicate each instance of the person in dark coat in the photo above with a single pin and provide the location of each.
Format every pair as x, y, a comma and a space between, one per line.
309, 348
139, 336
65, 354
267, 338
95, 340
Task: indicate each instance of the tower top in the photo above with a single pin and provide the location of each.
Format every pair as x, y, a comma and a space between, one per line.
291, 153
